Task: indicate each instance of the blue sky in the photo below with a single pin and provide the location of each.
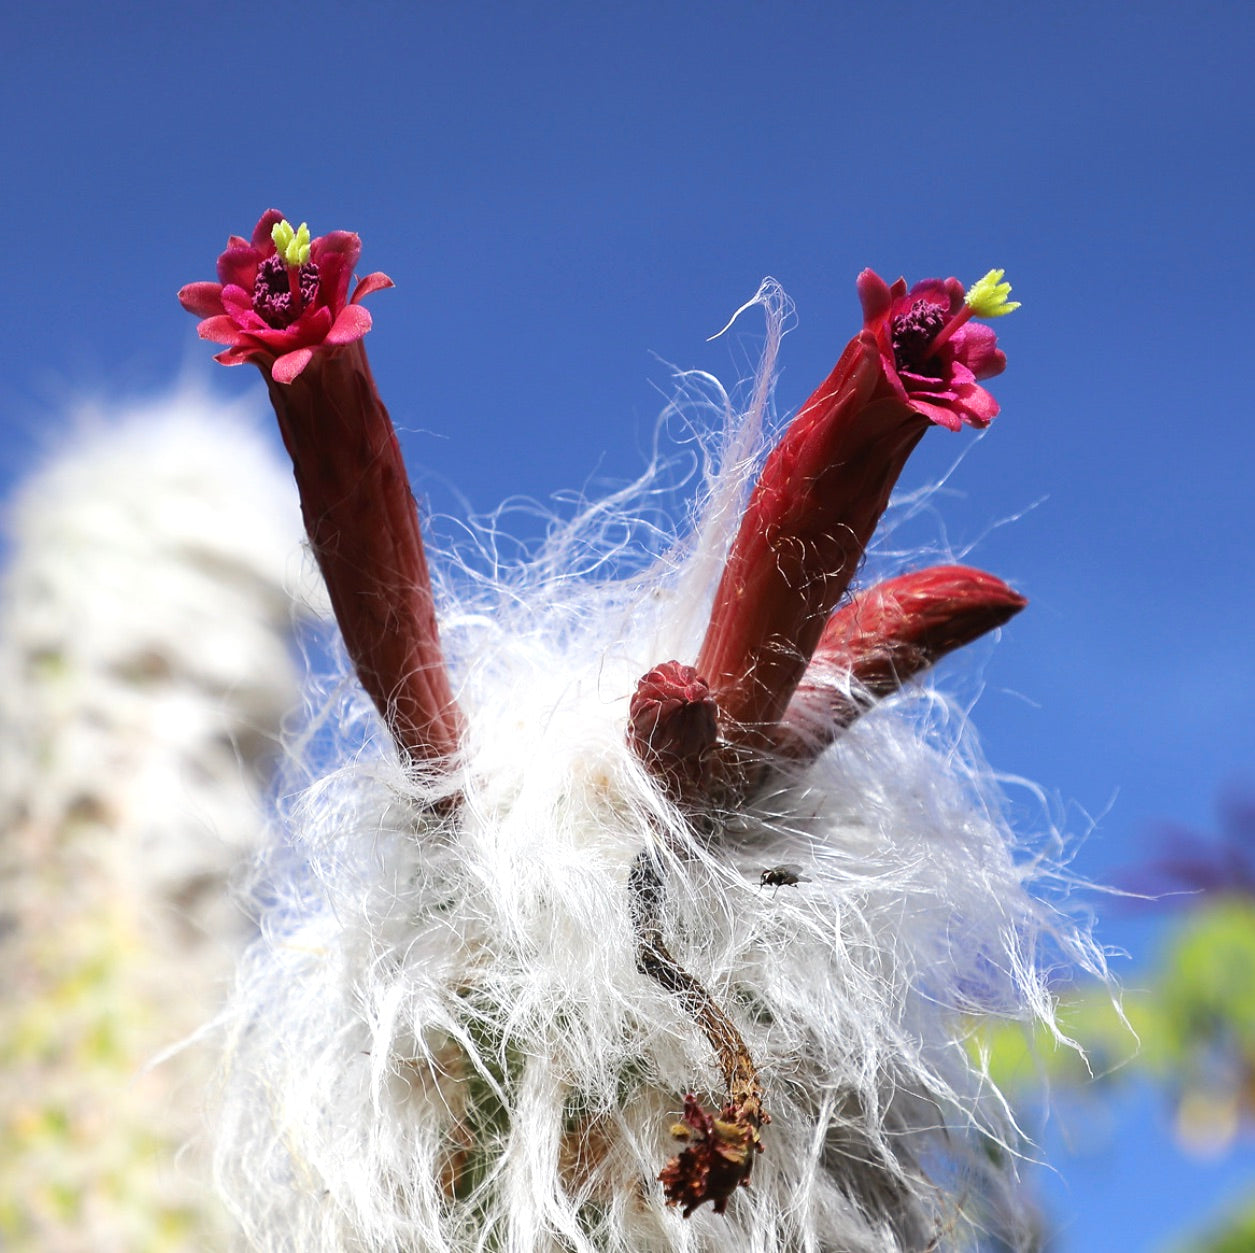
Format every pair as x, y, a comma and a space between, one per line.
569, 197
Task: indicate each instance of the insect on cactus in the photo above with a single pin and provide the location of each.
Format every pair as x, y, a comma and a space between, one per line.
521, 990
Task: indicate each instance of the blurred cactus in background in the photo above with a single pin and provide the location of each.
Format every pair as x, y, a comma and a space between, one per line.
145, 668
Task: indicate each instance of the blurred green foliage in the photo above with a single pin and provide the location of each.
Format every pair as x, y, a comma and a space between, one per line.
1189, 1026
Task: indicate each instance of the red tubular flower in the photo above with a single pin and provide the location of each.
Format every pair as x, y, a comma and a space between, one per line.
817, 502
825, 485
359, 511
881, 639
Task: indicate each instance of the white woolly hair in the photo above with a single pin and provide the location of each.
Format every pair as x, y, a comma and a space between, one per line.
442, 1040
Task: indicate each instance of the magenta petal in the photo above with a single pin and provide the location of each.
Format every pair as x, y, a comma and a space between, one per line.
314, 325
262, 232
202, 299
308, 330
977, 346
287, 367
238, 265
345, 244
934, 290
874, 292
947, 293
352, 323
222, 329
923, 385
978, 407
371, 283
278, 341
899, 389
334, 274
238, 302
235, 356
938, 414
959, 377
335, 254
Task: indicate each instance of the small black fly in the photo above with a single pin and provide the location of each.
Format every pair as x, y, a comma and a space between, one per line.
781, 877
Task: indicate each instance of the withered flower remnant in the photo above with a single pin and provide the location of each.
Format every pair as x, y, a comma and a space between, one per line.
718, 1158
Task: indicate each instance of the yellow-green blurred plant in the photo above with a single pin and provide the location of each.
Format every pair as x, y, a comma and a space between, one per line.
1188, 1021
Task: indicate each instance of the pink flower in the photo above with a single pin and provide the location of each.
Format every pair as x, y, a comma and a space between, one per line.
277, 313
932, 355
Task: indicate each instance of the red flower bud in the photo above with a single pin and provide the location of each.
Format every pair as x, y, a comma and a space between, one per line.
672, 724
884, 637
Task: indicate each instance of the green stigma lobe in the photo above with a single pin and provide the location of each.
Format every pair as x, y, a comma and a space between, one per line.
987, 297
291, 245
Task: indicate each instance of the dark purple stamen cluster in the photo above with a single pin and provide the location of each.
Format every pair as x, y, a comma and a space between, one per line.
913, 332
272, 293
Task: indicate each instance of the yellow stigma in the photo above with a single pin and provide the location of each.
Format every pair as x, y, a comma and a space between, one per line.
293, 245
987, 297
